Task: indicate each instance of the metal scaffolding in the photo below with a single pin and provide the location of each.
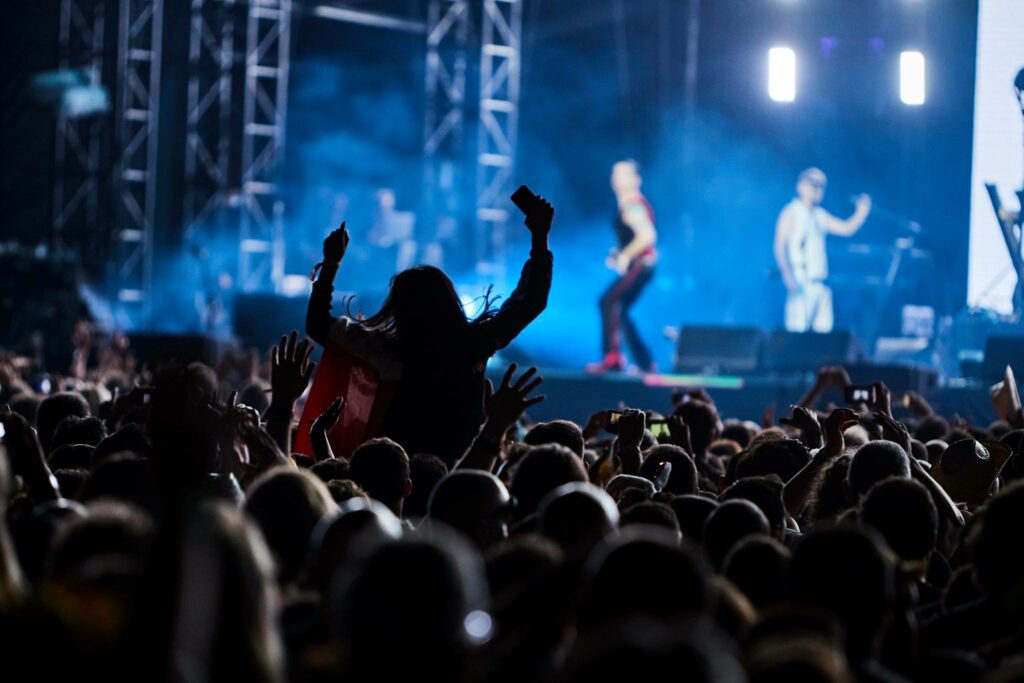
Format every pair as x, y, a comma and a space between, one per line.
78, 180
500, 39
444, 154
261, 250
208, 129
137, 115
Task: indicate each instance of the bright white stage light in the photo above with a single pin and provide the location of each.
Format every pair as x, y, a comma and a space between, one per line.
912, 77
782, 74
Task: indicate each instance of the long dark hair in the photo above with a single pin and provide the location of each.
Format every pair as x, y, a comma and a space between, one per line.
423, 310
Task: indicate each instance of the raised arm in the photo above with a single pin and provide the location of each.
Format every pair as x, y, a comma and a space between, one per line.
845, 228
318, 311
530, 296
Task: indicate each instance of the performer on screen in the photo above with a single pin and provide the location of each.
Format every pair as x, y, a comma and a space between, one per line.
633, 260
800, 251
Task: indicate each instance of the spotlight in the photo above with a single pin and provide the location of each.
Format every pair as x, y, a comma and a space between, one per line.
782, 74
912, 77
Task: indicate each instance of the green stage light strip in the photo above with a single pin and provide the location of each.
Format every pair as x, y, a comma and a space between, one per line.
705, 381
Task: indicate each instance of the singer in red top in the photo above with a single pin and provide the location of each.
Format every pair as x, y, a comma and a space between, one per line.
633, 260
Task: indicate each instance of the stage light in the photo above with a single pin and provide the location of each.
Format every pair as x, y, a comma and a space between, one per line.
782, 74
912, 77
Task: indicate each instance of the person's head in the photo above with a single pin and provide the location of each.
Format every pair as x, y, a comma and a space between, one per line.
53, 410
561, 432
421, 308
757, 565
730, 523
118, 477
577, 516
873, 462
692, 512
130, 438
516, 563
181, 425
255, 394
339, 537
902, 511
682, 480
738, 431
330, 469
70, 456
649, 513
345, 489
410, 604
474, 503
381, 467
766, 493
287, 504
110, 531
931, 427
998, 553
702, 419
810, 186
643, 571
626, 177
425, 471
542, 470
782, 457
78, 430
804, 658
843, 570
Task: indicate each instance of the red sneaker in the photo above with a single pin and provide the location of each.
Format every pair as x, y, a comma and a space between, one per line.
613, 362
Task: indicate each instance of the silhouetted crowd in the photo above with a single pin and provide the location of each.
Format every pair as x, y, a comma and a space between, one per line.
160, 526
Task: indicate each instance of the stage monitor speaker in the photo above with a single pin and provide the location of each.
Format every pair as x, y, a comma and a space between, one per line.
1002, 351
711, 350
808, 351
155, 348
899, 378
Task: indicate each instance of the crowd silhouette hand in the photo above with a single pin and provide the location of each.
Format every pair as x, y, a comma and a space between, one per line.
336, 244
538, 220
321, 426
631, 425
804, 420
837, 422
679, 433
504, 405
894, 431
290, 369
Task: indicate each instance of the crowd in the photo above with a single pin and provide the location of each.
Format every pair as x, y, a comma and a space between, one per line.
159, 526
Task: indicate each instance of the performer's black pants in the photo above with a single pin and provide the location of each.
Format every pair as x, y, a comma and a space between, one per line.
615, 320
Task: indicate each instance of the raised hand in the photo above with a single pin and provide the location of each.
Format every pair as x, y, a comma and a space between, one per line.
504, 405
679, 433
290, 369
883, 398
837, 422
538, 221
894, 431
804, 420
335, 245
26, 456
321, 425
632, 424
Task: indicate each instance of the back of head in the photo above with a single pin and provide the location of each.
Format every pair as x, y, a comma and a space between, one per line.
422, 309
412, 597
998, 553
330, 469
560, 432
781, 457
692, 512
474, 503
830, 499
425, 471
873, 462
644, 571
844, 571
683, 478
119, 477
731, 522
931, 427
737, 431
800, 659
766, 493
52, 411
131, 438
903, 512
287, 504
517, 563
78, 430
381, 467
757, 565
542, 470
650, 513
110, 531
702, 419
339, 538
577, 516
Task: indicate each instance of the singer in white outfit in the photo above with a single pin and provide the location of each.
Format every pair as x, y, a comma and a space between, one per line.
800, 251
